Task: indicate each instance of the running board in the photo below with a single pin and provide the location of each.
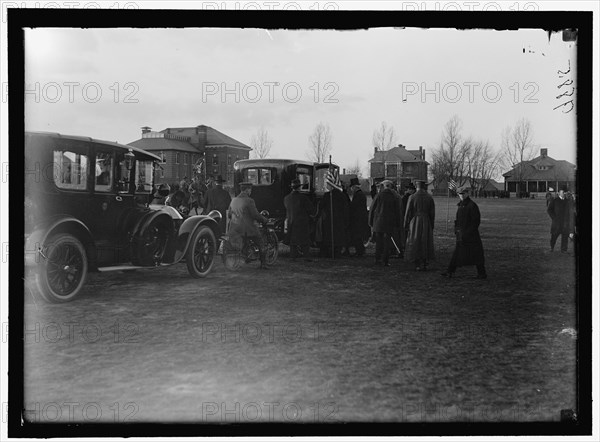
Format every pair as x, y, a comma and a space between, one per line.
129, 267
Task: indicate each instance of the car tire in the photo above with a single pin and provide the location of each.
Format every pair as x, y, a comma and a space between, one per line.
201, 252
63, 268
152, 243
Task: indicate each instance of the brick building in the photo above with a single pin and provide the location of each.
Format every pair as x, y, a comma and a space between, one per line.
190, 151
399, 165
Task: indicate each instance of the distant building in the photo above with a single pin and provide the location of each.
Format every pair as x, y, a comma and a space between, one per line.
190, 151
399, 165
540, 174
485, 188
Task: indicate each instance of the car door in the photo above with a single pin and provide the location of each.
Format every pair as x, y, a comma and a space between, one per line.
109, 203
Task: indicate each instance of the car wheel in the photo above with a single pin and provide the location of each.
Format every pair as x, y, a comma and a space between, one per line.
201, 252
153, 243
63, 268
272, 246
232, 256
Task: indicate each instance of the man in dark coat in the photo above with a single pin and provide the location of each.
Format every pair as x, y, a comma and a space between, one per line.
469, 248
384, 219
560, 210
242, 214
410, 189
419, 221
340, 221
359, 219
299, 210
219, 199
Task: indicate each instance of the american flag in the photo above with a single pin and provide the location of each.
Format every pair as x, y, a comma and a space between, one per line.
452, 184
332, 177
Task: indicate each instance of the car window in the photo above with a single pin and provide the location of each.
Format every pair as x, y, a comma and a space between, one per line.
144, 172
303, 174
104, 171
260, 176
70, 170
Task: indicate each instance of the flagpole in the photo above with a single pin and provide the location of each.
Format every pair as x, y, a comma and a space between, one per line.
331, 212
448, 208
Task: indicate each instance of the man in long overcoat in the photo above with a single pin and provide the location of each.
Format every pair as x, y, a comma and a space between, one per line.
385, 219
419, 221
219, 199
242, 214
410, 189
359, 219
560, 210
340, 221
299, 210
469, 248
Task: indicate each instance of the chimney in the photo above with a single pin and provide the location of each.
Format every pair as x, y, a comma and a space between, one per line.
544, 152
375, 149
421, 153
146, 130
344, 171
201, 132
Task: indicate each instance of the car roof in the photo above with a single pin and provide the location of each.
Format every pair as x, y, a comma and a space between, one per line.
93, 140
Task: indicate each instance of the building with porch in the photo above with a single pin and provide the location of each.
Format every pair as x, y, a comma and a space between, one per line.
192, 151
535, 177
399, 165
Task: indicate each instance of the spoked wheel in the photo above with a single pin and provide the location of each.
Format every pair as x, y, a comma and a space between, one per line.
63, 268
201, 252
153, 243
232, 256
272, 248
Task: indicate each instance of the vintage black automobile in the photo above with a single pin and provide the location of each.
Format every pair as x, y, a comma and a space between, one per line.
272, 178
87, 209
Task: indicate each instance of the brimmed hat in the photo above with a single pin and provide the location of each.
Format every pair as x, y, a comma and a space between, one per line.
550, 189
564, 188
295, 183
354, 182
411, 186
245, 185
464, 189
220, 179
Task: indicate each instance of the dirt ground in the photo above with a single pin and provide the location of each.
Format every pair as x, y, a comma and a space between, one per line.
325, 341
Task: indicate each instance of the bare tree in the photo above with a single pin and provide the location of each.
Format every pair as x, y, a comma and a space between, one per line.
261, 143
355, 169
483, 164
320, 143
517, 147
384, 138
450, 160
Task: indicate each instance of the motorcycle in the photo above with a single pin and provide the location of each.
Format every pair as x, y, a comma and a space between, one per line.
246, 250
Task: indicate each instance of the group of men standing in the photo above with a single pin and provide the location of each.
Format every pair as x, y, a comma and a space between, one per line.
404, 223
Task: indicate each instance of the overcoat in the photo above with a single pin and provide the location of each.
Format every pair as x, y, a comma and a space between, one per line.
359, 218
299, 210
242, 214
384, 214
219, 199
469, 248
341, 211
419, 221
561, 212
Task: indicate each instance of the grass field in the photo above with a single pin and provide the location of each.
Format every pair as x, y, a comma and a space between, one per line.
332, 340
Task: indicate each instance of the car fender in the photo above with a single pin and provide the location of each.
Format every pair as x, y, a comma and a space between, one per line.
187, 230
58, 224
144, 222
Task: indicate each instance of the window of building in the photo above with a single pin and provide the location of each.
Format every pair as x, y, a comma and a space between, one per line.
185, 158
228, 160
70, 170
163, 157
215, 159
176, 157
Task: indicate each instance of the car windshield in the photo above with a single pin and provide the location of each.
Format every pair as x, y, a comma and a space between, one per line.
144, 175
259, 176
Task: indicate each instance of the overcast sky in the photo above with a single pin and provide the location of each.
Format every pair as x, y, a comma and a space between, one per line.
289, 81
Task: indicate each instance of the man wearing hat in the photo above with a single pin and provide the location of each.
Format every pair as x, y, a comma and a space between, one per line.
217, 198
161, 194
469, 248
560, 210
242, 214
299, 210
359, 218
385, 218
408, 191
419, 221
